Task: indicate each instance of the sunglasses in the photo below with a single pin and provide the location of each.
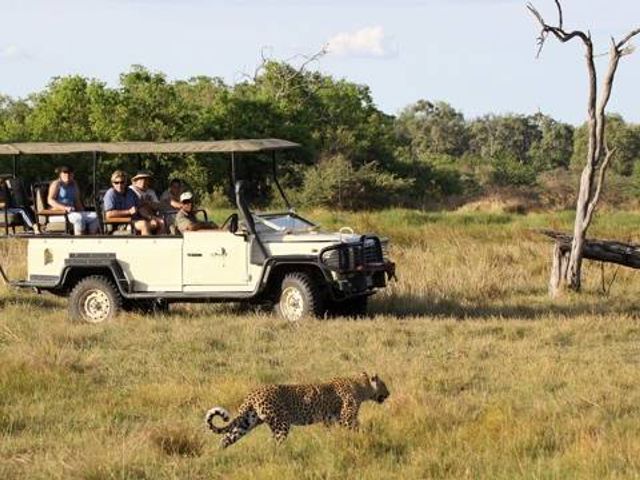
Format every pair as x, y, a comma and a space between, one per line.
117, 183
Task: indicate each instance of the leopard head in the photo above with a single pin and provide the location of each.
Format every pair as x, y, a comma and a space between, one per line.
378, 389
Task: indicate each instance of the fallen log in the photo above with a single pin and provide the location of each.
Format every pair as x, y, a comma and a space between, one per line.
611, 251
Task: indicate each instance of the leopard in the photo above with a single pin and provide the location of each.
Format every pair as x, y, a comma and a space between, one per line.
283, 406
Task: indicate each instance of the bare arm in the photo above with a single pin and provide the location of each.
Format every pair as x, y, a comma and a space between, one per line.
120, 213
51, 197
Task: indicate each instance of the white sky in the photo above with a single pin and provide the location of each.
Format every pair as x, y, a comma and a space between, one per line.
478, 55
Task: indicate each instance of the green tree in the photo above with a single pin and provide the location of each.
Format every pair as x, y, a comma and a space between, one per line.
149, 108
623, 137
432, 128
504, 136
13, 119
554, 147
61, 113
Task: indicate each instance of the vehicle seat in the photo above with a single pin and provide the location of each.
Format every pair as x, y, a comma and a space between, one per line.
39, 193
8, 220
113, 226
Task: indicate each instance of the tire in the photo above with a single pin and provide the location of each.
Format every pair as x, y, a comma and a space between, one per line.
300, 297
94, 299
355, 307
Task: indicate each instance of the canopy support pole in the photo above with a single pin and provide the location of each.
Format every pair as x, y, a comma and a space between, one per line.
233, 169
15, 165
275, 179
95, 180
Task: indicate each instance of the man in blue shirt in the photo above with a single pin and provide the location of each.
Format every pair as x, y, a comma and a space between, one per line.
120, 201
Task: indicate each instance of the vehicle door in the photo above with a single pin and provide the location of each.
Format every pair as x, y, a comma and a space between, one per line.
214, 258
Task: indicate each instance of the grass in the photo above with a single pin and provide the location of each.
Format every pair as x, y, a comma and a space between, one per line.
488, 377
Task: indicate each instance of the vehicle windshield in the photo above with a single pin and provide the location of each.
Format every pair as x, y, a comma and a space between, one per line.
281, 222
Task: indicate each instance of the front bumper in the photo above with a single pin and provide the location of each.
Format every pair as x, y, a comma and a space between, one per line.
358, 268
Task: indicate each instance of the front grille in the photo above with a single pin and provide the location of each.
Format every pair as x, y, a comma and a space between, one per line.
372, 252
352, 257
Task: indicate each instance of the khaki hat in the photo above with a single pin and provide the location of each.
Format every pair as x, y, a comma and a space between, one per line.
186, 196
140, 175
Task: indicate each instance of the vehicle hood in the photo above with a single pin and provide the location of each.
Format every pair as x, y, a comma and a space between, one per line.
312, 237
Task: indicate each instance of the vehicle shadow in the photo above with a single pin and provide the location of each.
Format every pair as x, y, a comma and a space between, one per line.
408, 306
45, 302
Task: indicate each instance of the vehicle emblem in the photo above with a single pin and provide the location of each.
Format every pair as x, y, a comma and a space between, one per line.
48, 256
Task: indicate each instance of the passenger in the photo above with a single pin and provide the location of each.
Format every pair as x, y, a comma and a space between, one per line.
170, 199
6, 202
64, 195
146, 220
120, 201
186, 220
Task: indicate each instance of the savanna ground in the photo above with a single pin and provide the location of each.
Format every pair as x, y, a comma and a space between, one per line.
488, 377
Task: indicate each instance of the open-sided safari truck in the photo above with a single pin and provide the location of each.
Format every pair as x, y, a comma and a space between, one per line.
279, 259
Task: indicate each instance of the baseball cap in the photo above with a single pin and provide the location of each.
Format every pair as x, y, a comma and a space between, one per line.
186, 196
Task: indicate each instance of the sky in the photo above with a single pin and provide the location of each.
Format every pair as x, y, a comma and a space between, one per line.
478, 55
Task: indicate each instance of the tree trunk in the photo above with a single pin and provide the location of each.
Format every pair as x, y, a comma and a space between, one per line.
559, 268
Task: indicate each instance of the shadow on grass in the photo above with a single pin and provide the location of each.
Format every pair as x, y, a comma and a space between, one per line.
400, 306
408, 306
32, 300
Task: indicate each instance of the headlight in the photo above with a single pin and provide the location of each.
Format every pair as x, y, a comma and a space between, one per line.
342, 259
331, 258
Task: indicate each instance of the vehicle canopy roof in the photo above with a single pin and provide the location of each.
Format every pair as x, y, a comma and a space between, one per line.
219, 146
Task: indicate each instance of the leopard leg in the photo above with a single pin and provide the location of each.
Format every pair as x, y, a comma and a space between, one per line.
239, 427
279, 429
329, 420
349, 416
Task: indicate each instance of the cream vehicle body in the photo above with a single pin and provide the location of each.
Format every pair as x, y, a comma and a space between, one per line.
278, 259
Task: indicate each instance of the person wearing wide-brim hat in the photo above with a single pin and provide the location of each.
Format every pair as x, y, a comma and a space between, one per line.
146, 219
141, 174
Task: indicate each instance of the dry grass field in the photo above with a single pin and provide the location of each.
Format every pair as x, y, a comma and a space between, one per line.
488, 377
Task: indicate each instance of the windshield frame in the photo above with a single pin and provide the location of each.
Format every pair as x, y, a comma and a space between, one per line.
264, 218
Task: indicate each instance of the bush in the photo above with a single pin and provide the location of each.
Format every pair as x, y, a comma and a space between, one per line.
335, 183
508, 171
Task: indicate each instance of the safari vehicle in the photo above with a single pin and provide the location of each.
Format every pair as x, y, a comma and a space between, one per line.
279, 259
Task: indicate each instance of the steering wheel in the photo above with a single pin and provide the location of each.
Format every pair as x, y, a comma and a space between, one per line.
231, 222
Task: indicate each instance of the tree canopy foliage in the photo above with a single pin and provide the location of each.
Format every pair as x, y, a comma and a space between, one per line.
353, 156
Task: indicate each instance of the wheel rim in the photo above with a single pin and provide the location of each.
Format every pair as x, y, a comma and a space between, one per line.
96, 306
292, 304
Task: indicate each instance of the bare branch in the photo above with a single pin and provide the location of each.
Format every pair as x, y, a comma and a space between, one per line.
628, 50
621, 44
536, 14
558, 31
559, 13
543, 34
309, 58
600, 181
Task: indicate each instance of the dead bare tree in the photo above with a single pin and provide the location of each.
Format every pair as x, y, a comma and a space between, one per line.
298, 63
567, 266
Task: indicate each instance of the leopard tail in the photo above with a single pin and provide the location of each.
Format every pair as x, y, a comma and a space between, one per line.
218, 412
